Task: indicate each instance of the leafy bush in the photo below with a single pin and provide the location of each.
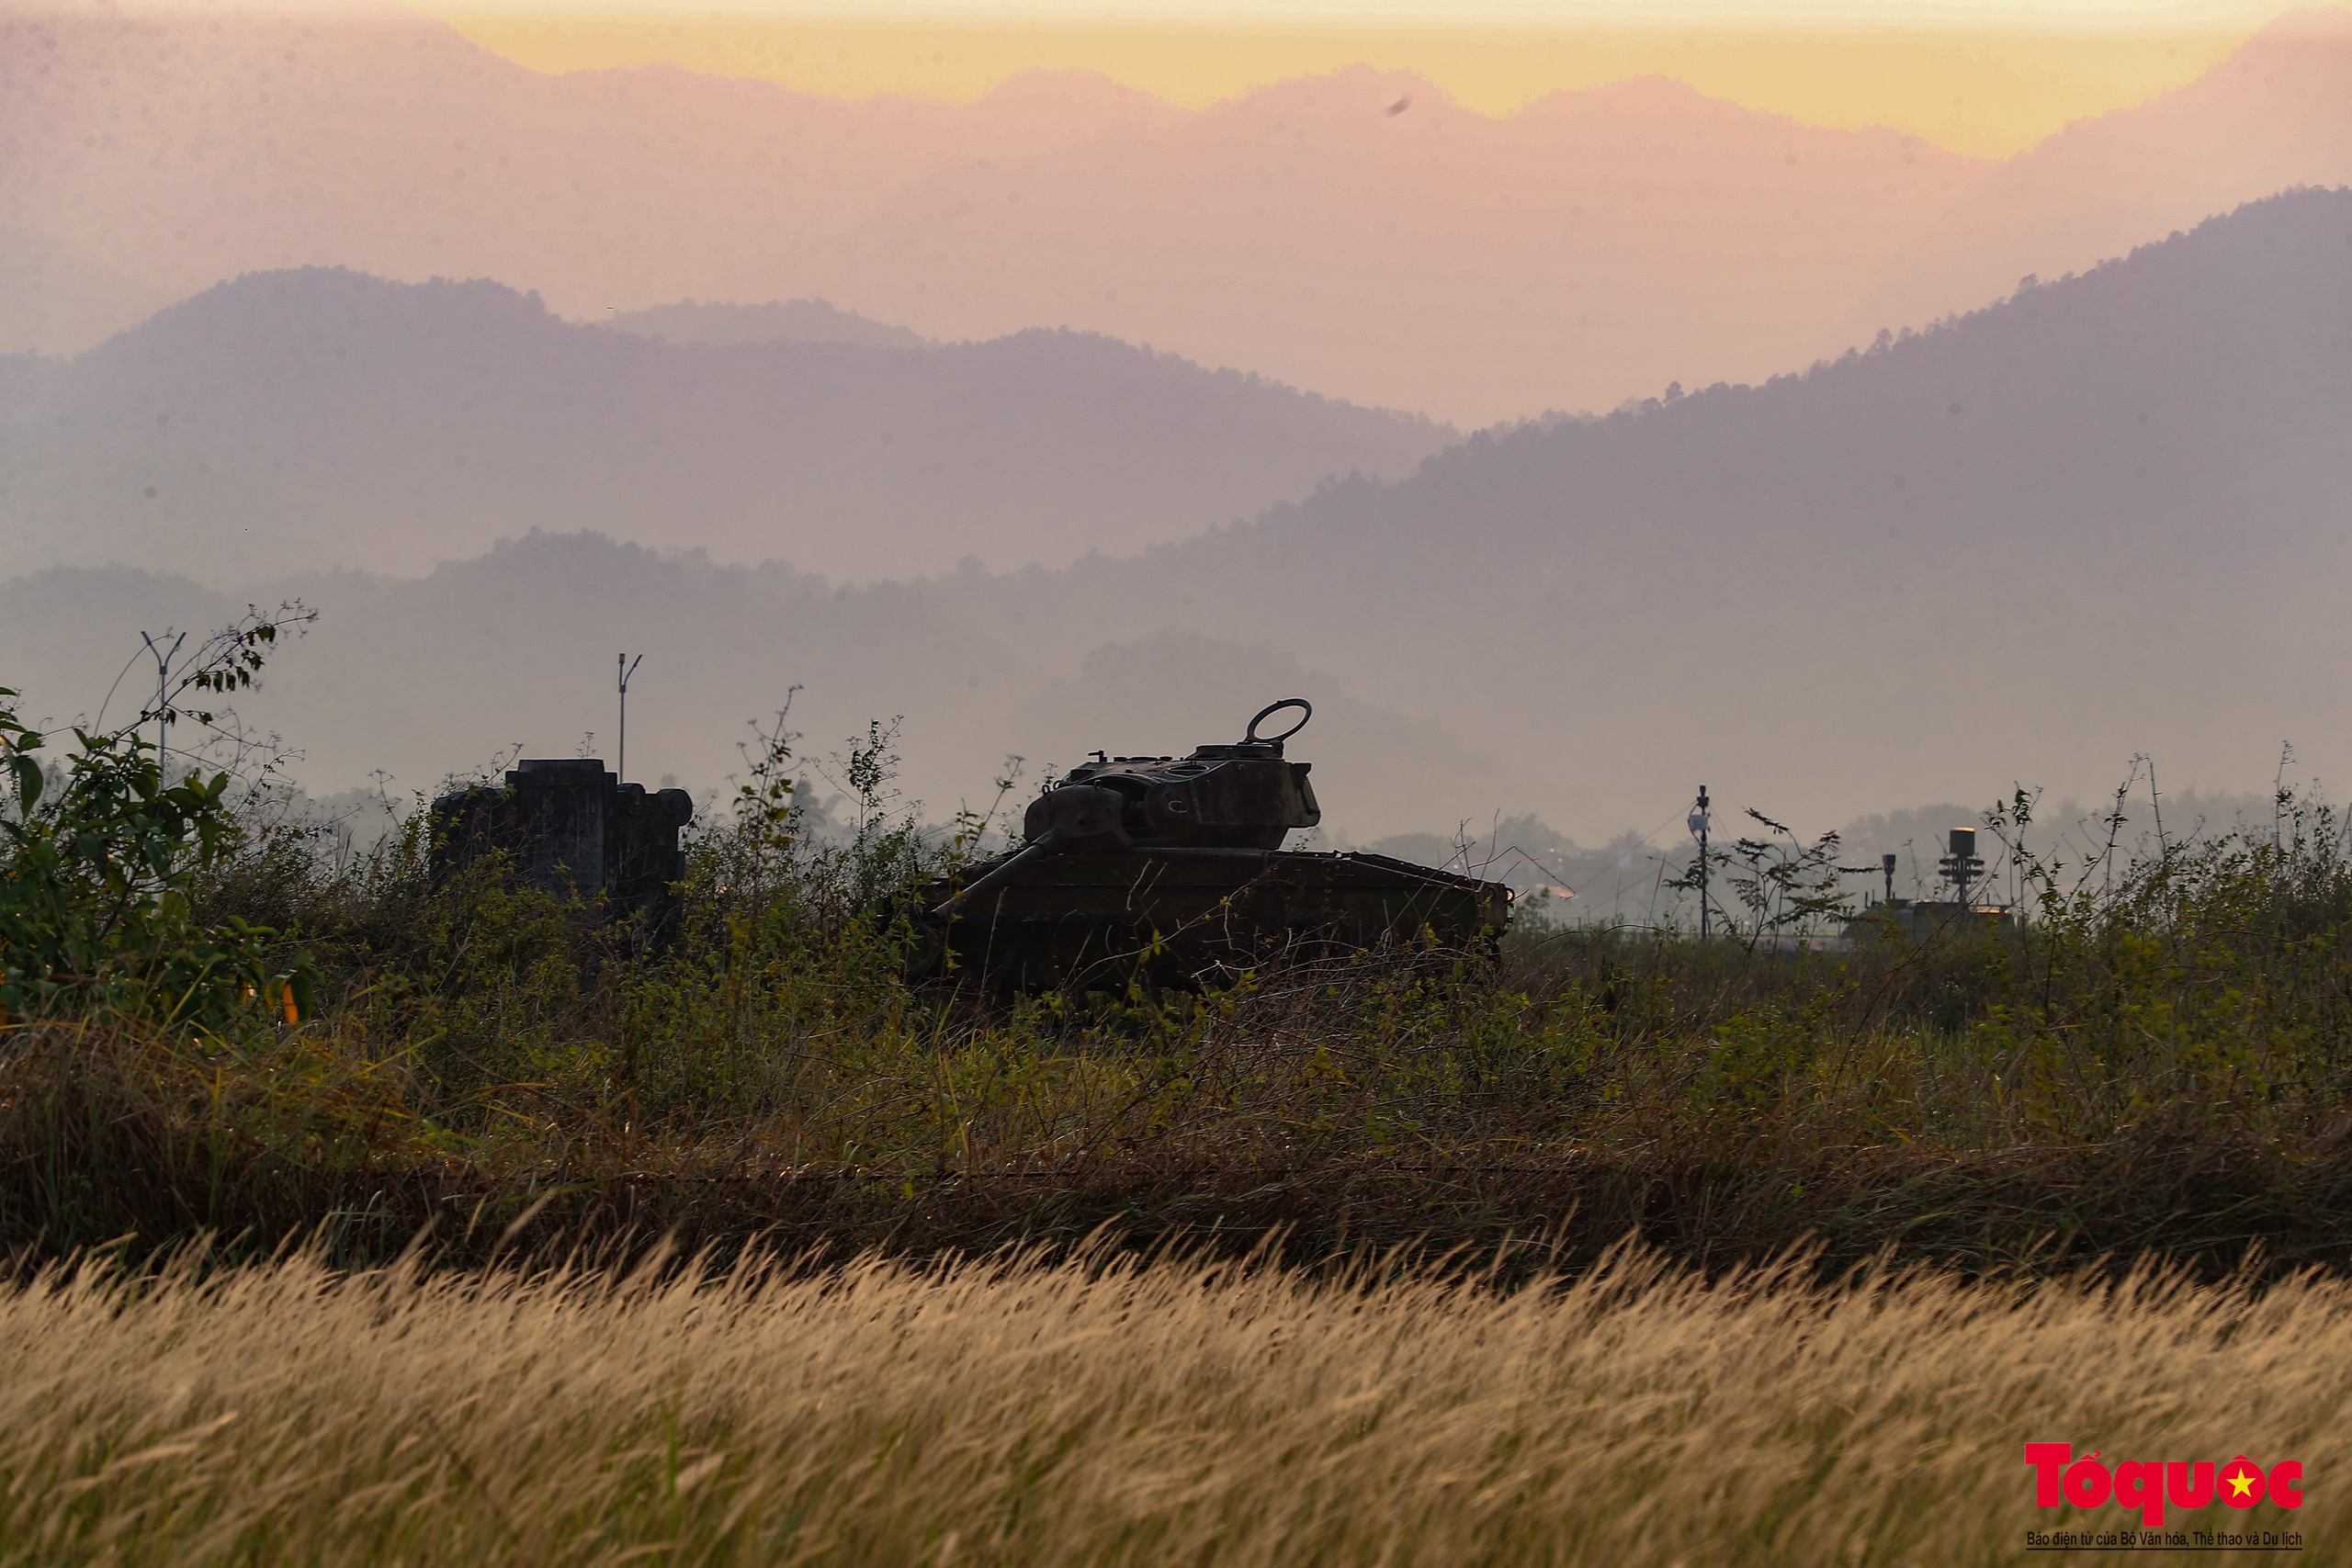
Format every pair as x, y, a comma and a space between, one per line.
96, 914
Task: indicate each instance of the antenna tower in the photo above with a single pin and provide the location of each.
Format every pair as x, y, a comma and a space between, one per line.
1962, 867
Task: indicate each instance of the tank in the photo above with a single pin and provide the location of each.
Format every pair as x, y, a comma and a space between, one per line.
1171, 869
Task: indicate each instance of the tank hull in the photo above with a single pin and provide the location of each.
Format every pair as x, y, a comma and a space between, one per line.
1192, 918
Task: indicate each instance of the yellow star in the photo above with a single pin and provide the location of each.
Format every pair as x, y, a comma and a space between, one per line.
2241, 1483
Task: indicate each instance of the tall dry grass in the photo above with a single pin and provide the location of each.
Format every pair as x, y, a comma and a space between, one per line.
1165, 1411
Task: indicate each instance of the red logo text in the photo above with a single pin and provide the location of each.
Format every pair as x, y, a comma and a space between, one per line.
2150, 1485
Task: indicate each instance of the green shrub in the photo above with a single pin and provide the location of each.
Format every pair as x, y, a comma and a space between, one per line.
96, 876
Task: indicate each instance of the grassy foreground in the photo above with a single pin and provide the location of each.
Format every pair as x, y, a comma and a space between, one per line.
1018, 1412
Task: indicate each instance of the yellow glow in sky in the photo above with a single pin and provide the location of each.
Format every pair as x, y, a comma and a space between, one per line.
1990, 92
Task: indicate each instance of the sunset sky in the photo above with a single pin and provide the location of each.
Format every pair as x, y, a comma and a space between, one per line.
1983, 80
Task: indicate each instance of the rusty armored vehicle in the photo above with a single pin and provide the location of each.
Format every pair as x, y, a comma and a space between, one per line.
1171, 869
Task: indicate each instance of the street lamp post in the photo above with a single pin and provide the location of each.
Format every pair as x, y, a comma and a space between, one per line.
627, 668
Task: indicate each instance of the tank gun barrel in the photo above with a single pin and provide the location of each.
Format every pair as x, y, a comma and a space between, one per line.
1070, 816
1051, 841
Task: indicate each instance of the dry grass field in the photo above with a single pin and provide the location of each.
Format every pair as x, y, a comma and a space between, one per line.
1022, 1412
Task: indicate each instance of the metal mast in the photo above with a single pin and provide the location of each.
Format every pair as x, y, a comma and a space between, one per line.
627, 668
1698, 825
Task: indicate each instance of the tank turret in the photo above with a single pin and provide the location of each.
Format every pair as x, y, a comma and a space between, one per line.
1242, 795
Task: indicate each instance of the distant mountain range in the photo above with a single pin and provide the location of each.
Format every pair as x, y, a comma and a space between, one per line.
49, 297
788, 320
318, 419
1357, 234
2110, 515
2276, 114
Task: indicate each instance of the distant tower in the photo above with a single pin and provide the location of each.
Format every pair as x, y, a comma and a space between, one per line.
1699, 823
1961, 867
627, 668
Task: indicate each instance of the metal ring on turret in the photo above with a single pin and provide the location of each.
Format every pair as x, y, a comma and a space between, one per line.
1307, 711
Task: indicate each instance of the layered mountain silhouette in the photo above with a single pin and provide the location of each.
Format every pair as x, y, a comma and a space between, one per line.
2109, 516
187, 151
1594, 245
321, 419
1358, 234
2277, 113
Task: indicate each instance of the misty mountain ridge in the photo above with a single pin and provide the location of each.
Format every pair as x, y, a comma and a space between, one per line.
2276, 113
1613, 145
2150, 462
304, 421
2111, 515
1435, 255
1477, 267
1473, 266
786, 320
441, 675
48, 296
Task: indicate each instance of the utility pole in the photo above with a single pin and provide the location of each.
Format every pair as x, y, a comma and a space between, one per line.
627, 667
1698, 825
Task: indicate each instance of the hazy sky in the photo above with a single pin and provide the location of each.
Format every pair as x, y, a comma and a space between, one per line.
1542, 13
